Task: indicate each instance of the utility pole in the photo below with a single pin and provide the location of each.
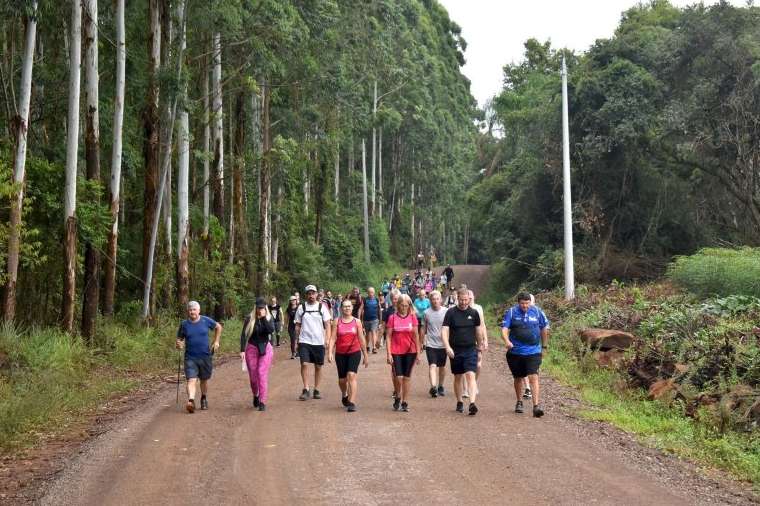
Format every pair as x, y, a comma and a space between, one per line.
568, 208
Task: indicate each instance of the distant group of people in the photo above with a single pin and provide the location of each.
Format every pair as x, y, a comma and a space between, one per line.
347, 329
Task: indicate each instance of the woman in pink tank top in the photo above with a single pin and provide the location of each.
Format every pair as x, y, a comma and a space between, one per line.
347, 347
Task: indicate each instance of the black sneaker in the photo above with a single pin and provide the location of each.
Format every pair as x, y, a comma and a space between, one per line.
262, 407
433, 392
304, 395
351, 407
473, 410
537, 411
404, 407
256, 401
527, 394
460, 407
344, 400
440, 391
396, 403
292, 356
204, 403
316, 394
190, 406
374, 352
519, 407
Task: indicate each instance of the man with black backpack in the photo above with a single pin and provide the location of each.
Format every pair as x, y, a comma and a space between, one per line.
312, 325
525, 330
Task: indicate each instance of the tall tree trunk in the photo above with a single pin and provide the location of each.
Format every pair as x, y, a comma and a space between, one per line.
337, 171
19, 166
276, 228
92, 159
319, 203
183, 190
166, 136
206, 161
151, 135
167, 39
414, 244
364, 201
217, 125
109, 286
241, 230
266, 192
380, 173
72, 152
374, 145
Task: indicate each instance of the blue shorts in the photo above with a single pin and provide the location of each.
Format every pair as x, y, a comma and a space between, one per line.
198, 367
464, 361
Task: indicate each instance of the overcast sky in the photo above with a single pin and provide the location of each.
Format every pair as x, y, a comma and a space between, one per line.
495, 30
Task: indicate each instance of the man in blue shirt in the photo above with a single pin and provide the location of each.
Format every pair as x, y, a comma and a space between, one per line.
371, 317
525, 331
192, 336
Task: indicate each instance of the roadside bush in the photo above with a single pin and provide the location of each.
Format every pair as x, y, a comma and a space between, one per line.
719, 271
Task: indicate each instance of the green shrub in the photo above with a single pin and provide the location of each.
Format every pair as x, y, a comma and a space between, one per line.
719, 271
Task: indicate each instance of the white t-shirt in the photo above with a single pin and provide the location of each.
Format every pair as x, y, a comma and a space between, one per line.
312, 323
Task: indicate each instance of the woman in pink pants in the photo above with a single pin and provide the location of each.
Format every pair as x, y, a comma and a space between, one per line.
256, 351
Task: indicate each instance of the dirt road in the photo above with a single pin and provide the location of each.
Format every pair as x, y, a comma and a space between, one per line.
314, 452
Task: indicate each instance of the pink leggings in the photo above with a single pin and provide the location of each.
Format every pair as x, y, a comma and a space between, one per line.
258, 369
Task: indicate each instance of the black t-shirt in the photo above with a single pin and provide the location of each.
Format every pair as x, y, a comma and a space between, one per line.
275, 310
292, 316
449, 272
387, 313
463, 325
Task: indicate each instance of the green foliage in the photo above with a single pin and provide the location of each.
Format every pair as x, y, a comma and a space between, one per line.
706, 418
652, 174
50, 380
718, 271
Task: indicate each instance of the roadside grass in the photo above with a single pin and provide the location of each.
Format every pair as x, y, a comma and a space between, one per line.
658, 425
719, 271
50, 381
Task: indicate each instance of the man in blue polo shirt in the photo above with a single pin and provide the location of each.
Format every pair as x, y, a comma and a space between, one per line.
192, 336
525, 331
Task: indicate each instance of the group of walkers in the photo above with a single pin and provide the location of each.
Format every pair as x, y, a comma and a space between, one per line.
346, 330
421, 280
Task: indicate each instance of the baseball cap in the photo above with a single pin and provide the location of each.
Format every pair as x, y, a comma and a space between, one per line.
260, 302
310, 288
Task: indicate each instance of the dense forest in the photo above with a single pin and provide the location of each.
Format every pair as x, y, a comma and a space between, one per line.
214, 150
664, 132
159, 150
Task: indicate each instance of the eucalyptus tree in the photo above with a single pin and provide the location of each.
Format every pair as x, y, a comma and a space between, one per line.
109, 284
19, 163
72, 157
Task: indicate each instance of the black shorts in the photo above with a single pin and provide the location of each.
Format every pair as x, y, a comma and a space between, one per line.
523, 365
403, 364
311, 353
464, 361
436, 356
198, 367
347, 362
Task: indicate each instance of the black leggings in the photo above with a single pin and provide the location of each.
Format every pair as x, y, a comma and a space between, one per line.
293, 341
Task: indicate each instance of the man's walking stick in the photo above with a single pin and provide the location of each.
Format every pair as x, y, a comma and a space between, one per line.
179, 366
